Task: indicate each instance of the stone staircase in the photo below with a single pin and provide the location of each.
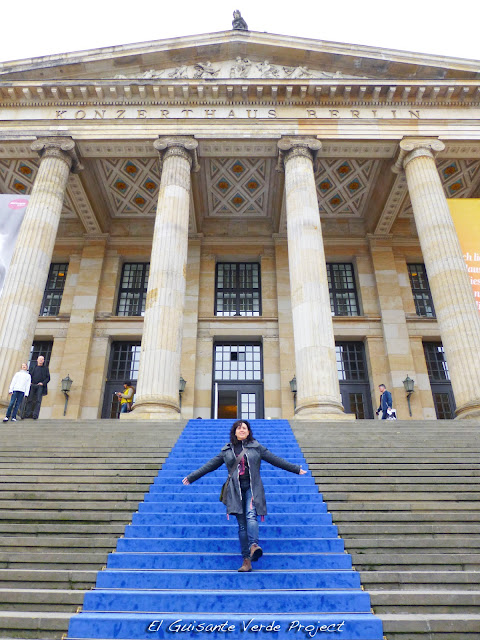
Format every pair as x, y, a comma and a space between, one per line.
67, 491
406, 498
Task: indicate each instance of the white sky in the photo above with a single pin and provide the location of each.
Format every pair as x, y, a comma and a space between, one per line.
40, 27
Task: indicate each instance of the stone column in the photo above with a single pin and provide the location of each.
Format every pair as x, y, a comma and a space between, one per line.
452, 294
25, 283
318, 391
159, 368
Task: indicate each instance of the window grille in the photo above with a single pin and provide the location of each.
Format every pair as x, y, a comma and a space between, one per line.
52, 297
351, 362
237, 289
421, 290
124, 360
238, 362
133, 289
40, 348
342, 288
436, 362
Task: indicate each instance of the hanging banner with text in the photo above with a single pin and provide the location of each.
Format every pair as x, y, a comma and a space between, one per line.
12, 210
466, 218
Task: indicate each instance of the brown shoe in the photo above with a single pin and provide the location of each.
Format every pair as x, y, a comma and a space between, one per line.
255, 552
246, 566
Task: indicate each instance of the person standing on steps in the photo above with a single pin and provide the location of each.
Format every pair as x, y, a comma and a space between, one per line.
385, 401
19, 388
40, 378
245, 494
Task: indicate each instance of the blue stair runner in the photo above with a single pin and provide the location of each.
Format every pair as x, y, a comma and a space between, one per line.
175, 571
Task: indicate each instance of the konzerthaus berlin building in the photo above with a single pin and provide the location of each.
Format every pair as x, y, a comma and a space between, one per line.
247, 212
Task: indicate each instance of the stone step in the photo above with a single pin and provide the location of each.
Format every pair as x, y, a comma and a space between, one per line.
418, 600
416, 561
31, 625
430, 626
40, 599
58, 543
422, 579
47, 579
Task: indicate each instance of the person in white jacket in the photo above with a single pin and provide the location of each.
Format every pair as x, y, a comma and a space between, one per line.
19, 388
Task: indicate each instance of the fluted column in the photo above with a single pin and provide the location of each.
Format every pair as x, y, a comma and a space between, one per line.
318, 391
25, 282
159, 369
452, 294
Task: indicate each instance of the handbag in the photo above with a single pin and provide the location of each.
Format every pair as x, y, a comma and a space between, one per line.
223, 490
391, 413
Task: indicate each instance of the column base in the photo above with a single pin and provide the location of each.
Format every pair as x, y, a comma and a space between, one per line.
153, 411
470, 410
322, 411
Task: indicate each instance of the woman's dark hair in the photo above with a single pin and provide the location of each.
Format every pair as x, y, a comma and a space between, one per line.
233, 437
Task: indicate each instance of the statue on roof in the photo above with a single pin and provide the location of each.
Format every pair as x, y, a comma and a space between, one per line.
238, 22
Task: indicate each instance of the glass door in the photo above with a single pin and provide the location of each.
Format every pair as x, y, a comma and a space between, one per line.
237, 381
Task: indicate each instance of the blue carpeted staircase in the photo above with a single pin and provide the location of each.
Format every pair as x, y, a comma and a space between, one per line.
175, 571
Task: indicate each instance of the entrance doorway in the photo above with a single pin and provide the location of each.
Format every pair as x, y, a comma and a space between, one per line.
237, 381
353, 378
123, 367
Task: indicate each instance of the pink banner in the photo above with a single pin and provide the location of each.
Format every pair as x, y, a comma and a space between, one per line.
12, 210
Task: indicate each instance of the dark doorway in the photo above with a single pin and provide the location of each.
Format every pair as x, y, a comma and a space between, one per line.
353, 378
123, 366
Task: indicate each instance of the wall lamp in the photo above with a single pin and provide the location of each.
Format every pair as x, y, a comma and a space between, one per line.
66, 386
409, 385
181, 388
293, 389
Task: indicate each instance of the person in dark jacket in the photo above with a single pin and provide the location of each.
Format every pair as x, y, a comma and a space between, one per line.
385, 401
40, 379
245, 492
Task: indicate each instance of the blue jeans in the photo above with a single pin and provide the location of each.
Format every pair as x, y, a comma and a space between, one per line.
15, 403
124, 408
247, 523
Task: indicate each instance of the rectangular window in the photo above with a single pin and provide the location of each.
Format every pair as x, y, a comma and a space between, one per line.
436, 362
52, 297
124, 361
421, 290
133, 289
342, 288
41, 348
238, 362
351, 362
237, 289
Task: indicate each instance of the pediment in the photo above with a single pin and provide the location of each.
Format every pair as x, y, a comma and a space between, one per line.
240, 55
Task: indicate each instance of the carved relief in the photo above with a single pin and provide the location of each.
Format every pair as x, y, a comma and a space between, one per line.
239, 68
205, 70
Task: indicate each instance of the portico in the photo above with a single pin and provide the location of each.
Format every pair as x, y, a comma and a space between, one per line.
282, 205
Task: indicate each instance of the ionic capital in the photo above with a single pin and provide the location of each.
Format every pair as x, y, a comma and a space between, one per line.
411, 148
61, 148
295, 146
179, 146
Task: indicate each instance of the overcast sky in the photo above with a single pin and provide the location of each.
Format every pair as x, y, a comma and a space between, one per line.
41, 27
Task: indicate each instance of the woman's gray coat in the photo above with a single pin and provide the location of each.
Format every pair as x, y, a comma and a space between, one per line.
255, 453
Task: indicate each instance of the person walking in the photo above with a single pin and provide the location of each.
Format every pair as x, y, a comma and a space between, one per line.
385, 401
245, 494
19, 388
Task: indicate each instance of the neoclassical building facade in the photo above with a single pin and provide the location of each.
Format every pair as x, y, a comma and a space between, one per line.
242, 224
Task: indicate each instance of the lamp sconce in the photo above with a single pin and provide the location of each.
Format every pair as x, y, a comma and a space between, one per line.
181, 388
409, 385
293, 389
66, 386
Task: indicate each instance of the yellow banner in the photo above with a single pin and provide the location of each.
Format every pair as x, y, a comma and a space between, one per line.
466, 218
